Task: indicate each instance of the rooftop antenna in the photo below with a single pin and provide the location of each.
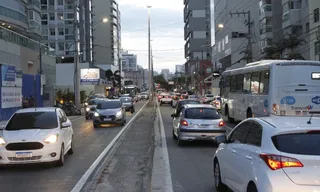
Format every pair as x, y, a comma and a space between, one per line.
312, 112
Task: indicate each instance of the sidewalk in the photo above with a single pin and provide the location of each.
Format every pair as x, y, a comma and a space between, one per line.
70, 117
128, 168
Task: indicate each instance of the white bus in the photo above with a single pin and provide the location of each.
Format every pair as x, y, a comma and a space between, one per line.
278, 87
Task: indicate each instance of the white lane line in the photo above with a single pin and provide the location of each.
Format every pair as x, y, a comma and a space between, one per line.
163, 174
87, 174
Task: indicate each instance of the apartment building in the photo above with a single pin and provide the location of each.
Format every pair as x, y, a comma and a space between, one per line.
106, 36
129, 62
58, 28
314, 30
296, 23
197, 32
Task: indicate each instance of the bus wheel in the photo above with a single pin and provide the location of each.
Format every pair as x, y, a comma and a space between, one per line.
231, 120
249, 113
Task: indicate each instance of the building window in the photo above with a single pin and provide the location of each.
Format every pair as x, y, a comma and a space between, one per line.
227, 39
45, 31
317, 48
51, 2
53, 45
60, 2
52, 31
51, 15
70, 15
60, 16
316, 15
61, 31
307, 27
44, 16
61, 46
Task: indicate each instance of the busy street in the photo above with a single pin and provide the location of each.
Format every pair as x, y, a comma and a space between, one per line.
89, 144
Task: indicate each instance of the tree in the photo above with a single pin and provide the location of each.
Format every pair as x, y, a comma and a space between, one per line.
159, 79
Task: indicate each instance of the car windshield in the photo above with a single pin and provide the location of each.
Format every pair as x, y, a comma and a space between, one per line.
202, 113
126, 99
93, 102
33, 120
298, 143
109, 105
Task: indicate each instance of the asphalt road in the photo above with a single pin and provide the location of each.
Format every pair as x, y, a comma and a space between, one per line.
89, 143
191, 165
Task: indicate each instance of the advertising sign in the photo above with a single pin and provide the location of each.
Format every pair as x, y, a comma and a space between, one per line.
8, 73
90, 75
11, 97
18, 80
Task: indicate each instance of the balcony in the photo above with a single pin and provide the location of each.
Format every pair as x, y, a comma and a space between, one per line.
265, 11
291, 18
266, 32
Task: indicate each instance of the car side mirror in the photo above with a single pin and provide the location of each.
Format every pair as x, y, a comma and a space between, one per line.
65, 125
92, 109
221, 139
173, 115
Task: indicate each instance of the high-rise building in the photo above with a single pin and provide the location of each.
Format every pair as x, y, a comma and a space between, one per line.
106, 36
129, 61
197, 32
58, 28
179, 70
313, 29
165, 73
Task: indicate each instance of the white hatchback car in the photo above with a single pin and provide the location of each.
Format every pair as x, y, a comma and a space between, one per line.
270, 154
36, 135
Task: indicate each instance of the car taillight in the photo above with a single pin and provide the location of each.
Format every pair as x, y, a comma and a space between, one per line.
181, 97
184, 122
221, 124
275, 162
159, 97
216, 103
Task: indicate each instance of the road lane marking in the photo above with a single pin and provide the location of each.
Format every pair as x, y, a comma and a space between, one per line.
76, 118
161, 169
84, 178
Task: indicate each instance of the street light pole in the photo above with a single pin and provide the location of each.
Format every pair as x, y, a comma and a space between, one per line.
149, 52
76, 57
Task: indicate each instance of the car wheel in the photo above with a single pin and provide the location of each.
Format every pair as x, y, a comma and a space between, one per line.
174, 135
71, 151
95, 125
160, 103
60, 162
132, 110
123, 122
217, 177
87, 118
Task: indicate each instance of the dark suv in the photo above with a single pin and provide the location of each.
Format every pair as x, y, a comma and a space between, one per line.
128, 103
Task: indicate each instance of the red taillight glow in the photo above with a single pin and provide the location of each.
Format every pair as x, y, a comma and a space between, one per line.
183, 122
221, 123
275, 162
159, 97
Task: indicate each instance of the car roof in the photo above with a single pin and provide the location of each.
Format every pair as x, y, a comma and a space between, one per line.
199, 106
37, 109
286, 122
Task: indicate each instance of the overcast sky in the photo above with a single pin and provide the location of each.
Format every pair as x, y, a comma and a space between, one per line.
166, 31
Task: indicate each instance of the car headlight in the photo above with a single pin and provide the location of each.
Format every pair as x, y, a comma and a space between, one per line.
2, 141
87, 109
86, 104
51, 139
96, 114
119, 113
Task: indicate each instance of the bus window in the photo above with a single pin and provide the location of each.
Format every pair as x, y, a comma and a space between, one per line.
247, 83
233, 84
239, 83
264, 82
255, 82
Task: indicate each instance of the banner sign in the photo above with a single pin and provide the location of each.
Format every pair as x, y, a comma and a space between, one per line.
8, 73
11, 97
90, 75
18, 80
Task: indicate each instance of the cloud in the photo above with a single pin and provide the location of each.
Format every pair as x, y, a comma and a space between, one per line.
166, 32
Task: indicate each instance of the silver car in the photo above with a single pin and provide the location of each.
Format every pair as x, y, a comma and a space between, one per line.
90, 107
197, 122
109, 112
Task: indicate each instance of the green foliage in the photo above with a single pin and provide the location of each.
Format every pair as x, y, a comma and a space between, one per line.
159, 79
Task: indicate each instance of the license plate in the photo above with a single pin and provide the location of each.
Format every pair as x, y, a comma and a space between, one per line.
107, 119
23, 154
302, 112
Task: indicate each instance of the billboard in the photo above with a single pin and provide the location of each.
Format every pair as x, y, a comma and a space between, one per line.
90, 75
8, 75
11, 97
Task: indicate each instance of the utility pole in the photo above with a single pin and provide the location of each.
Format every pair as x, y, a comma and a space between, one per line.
119, 55
149, 53
76, 57
249, 35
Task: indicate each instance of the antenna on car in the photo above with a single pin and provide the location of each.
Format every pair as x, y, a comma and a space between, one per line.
312, 112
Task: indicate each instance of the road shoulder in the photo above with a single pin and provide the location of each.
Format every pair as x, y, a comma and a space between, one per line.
127, 168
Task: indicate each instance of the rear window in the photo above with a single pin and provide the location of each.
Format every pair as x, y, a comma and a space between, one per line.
93, 102
33, 120
188, 102
201, 113
209, 95
193, 96
109, 105
298, 143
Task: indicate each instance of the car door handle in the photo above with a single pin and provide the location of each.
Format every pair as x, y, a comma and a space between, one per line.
234, 151
249, 158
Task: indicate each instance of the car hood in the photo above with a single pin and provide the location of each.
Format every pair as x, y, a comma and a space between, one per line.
108, 111
28, 134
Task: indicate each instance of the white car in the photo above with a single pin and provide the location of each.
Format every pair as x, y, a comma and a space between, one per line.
165, 99
36, 135
216, 102
270, 154
207, 98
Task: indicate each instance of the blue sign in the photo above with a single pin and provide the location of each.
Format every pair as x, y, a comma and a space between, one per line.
265, 103
316, 100
289, 100
8, 75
